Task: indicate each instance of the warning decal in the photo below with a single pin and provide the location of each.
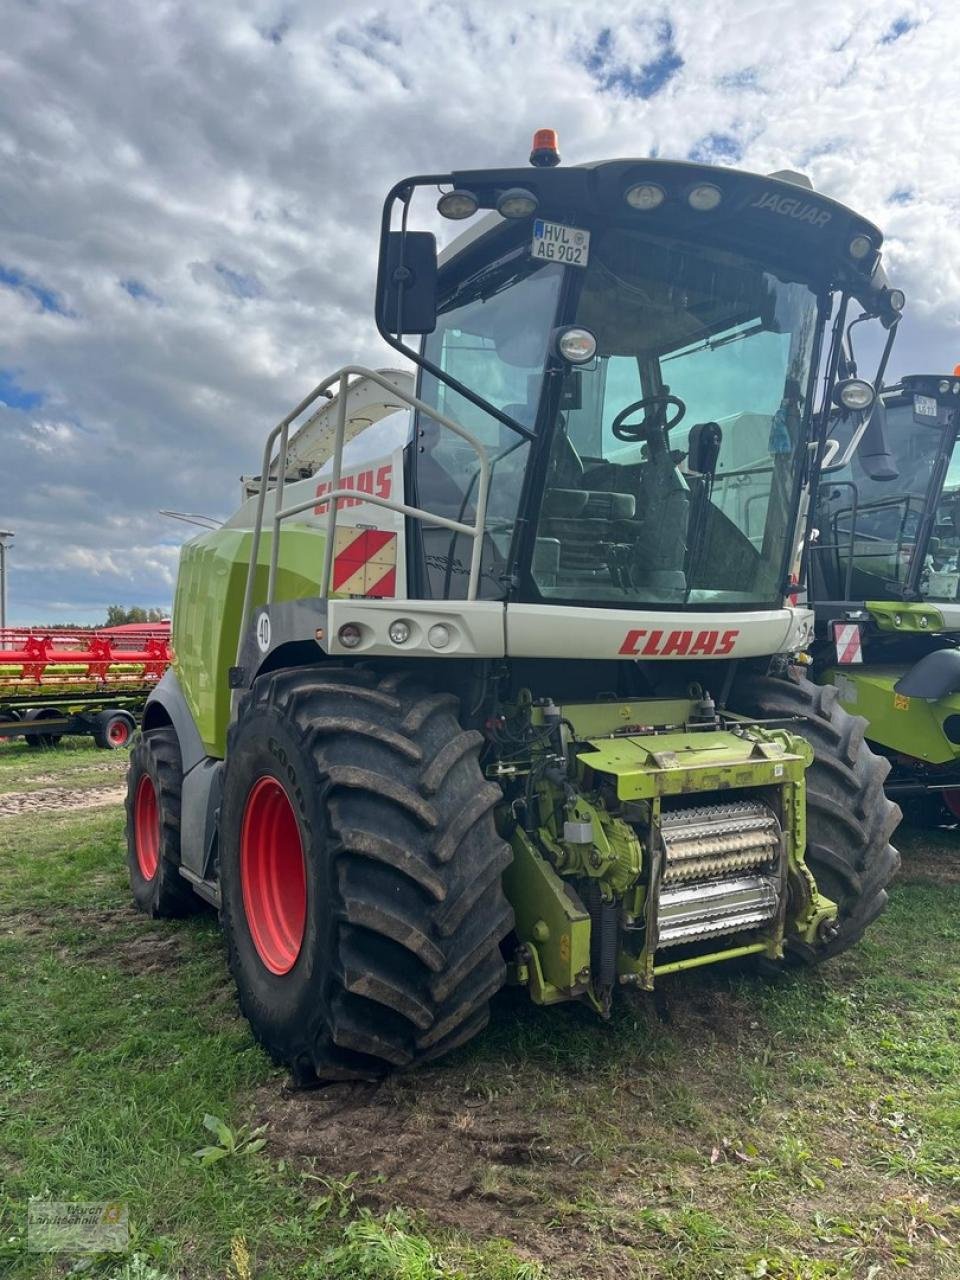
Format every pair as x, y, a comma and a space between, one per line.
846, 637
364, 563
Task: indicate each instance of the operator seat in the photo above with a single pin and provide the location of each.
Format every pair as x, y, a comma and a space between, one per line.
579, 517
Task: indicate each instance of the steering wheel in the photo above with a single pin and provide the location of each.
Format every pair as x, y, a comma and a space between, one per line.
632, 432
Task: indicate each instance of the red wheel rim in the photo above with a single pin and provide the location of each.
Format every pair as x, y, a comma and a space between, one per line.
119, 732
146, 827
273, 875
951, 798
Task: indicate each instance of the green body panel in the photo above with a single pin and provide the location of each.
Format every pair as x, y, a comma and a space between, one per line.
892, 616
912, 726
208, 605
681, 763
552, 922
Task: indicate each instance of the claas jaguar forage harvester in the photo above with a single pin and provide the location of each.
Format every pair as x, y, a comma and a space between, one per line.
514, 699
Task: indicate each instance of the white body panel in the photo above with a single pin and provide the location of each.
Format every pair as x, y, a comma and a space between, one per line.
476, 630
551, 631
489, 629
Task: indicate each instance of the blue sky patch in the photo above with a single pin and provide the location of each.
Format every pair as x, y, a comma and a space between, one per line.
747, 78
138, 290
902, 195
242, 286
16, 397
897, 29
634, 82
46, 297
717, 148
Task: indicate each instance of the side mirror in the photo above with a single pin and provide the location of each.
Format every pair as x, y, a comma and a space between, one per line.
874, 455
407, 283
703, 448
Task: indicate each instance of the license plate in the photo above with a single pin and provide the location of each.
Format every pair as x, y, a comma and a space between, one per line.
553, 242
925, 406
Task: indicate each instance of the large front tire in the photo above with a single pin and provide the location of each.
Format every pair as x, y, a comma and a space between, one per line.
849, 818
360, 873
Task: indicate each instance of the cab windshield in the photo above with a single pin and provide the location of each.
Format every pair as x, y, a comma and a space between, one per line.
672, 459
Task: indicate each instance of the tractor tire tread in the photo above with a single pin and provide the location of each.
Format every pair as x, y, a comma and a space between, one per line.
850, 820
417, 910
169, 895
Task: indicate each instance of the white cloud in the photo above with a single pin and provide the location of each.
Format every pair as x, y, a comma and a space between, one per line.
190, 199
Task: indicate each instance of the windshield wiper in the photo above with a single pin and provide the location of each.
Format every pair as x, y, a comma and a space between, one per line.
712, 344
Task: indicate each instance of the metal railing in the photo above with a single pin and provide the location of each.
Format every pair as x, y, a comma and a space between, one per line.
333, 496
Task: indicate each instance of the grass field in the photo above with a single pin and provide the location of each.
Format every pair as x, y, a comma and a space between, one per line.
800, 1129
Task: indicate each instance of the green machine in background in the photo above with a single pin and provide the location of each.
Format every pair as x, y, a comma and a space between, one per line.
885, 576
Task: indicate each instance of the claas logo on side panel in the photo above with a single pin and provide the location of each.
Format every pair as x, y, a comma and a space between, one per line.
678, 644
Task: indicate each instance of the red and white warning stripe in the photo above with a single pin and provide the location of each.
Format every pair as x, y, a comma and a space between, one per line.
364, 563
846, 637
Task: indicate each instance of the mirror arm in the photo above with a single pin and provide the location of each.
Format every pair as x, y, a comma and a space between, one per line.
403, 191
828, 464
831, 448
887, 348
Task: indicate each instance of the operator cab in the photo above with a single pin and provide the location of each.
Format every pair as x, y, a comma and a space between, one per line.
672, 437
637, 356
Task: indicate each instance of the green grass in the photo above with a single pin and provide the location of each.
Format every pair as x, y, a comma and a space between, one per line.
73, 763
798, 1129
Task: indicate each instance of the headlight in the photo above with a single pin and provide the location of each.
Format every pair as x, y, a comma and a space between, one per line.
439, 635
859, 247
399, 631
349, 635
704, 197
645, 196
576, 345
458, 204
896, 299
854, 393
517, 203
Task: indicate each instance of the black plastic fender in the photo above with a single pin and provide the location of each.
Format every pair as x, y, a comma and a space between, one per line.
168, 698
202, 774
933, 677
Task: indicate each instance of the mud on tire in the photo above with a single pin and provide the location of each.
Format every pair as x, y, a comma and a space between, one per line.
154, 781
849, 818
399, 952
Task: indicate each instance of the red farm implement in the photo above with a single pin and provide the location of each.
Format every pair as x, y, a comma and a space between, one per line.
56, 682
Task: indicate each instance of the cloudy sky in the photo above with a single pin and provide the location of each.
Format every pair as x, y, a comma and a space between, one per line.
189, 197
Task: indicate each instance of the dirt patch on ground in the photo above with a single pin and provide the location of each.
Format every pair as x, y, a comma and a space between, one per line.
55, 799
118, 936
504, 1166
485, 1166
143, 952
929, 856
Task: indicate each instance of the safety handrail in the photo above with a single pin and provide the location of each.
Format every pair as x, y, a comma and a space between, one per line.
333, 496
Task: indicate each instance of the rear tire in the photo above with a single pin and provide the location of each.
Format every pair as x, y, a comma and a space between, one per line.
382, 821
154, 781
37, 741
113, 730
849, 818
